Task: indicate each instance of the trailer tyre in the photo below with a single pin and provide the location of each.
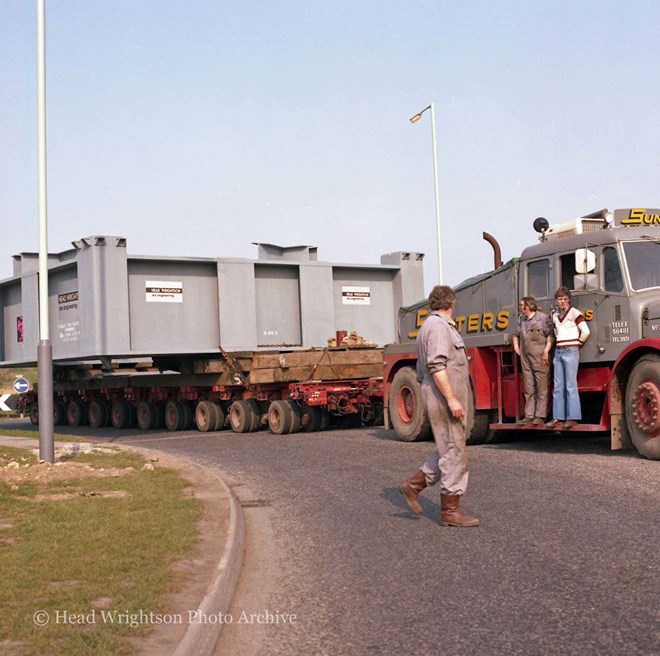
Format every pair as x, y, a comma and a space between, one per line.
279, 418
174, 415
33, 411
120, 414
294, 411
76, 413
97, 414
311, 418
643, 406
146, 415
205, 416
219, 415
244, 416
406, 409
59, 413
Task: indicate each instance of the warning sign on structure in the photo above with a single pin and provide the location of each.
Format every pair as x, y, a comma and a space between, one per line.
355, 295
164, 291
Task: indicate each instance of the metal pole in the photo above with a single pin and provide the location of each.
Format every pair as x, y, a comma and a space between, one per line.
437, 202
44, 349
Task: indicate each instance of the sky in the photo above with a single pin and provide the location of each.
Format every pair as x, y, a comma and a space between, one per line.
196, 128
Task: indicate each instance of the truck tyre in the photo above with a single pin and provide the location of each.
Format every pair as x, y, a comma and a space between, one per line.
406, 409
244, 416
478, 422
120, 414
59, 413
279, 418
174, 417
76, 413
311, 418
97, 414
643, 406
205, 416
33, 411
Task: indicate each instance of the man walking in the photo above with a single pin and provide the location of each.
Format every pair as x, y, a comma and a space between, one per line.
442, 370
532, 341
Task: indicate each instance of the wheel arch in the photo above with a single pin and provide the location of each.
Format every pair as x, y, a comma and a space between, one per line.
616, 393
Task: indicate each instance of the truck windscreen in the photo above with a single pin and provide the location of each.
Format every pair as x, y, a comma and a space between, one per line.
642, 258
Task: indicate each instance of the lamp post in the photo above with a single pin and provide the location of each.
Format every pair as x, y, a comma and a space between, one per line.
414, 119
44, 349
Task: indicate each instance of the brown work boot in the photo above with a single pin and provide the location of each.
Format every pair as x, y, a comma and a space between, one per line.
451, 514
411, 487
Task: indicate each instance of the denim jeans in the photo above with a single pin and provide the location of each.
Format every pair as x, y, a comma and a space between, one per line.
565, 399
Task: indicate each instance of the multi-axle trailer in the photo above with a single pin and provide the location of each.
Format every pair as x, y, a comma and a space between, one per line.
211, 343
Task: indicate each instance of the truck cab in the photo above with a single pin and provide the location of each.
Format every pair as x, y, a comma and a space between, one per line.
609, 261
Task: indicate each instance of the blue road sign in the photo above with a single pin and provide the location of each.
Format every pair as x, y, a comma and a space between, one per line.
21, 385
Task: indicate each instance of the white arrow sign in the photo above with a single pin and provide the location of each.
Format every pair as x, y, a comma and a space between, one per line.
3, 398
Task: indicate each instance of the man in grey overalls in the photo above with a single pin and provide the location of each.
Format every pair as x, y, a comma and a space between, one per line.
442, 370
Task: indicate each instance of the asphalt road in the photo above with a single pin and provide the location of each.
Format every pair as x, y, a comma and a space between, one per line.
565, 561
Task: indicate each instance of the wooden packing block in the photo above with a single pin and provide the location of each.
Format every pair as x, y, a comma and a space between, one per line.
322, 372
311, 358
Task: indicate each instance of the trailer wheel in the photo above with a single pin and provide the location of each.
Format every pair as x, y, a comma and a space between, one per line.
33, 411
294, 411
146, 415
325, 420
279, 418
97, 414
643, 406
59, 413
244, 416
311, 418
120, 413
76, 413
219, 416
158, 414
205, 416
174, 417
406, 409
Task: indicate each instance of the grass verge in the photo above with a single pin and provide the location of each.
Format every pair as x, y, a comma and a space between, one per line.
92, 539
58, 437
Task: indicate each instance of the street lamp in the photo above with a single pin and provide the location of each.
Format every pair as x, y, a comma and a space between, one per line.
44, 349
414, 119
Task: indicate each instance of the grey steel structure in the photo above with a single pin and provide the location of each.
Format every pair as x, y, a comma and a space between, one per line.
105, 303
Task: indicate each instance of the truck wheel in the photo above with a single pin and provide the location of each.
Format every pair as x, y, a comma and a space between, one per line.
406, 410
76, 413
477, 423
33, 411
120, 414
643, 406
97, 414
279, 418
219, 416
311, 418
59, 413
244, 416
174, 417
205, 416
145, 415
